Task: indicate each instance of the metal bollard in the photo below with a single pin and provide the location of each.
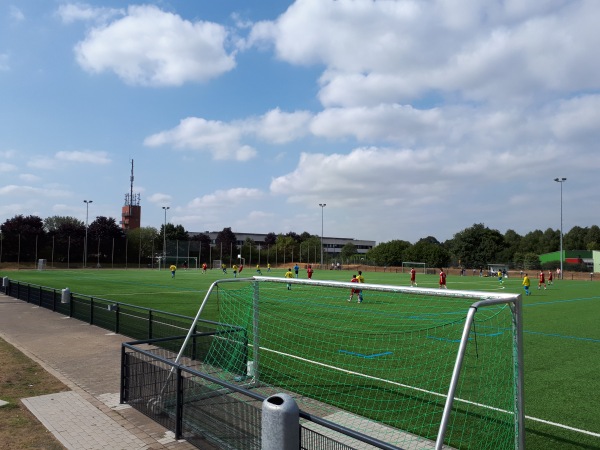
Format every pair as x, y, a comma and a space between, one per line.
280, 423
5, 282
65, 296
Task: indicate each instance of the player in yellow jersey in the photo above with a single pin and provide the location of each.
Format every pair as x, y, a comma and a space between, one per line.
173, 268
289, 274
526, 284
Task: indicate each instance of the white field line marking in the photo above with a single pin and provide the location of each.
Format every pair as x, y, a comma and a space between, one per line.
547, 422
148, 293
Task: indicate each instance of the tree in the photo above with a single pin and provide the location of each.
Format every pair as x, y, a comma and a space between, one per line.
477, 246
22, 237
592, 239
388, 253
310, 250
142, 242
270, 239
204, 242
575, 239
227, 243
432, 254
348, 251
106, 238
54, 224
286, 248
174, 232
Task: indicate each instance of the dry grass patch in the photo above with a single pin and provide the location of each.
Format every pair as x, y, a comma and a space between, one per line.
20, 377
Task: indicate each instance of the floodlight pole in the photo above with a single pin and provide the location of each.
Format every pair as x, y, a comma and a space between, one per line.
561, 181
165, 236
85, 244
322, 205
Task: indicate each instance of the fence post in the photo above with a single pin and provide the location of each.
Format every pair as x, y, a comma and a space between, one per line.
179, 406
91, 310
280, 423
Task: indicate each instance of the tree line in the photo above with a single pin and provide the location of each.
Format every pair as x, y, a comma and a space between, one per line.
62, 238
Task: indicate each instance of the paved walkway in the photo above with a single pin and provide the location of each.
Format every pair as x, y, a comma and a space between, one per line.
86, 359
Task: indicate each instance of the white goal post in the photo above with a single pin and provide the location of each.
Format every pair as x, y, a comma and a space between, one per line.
217, 264
420, 267
459, 353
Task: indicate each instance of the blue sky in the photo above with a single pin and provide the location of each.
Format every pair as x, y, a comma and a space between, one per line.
407, 118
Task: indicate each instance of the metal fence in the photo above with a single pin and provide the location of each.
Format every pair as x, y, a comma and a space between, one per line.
187, 398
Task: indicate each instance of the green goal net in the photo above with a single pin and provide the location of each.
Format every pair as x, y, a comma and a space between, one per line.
406, 366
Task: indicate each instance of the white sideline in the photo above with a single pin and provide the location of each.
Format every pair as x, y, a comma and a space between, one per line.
535, 419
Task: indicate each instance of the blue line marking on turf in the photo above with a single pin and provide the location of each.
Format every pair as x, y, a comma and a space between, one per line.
562, 336
360, 355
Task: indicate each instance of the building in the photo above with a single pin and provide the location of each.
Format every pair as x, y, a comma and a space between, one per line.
131, 212
332, 246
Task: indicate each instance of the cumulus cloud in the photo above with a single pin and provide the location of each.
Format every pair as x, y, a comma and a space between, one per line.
6, 167
486, 51
227, 197
85, 156
73, 12
160, 199
224, 140
14, 190
151, 47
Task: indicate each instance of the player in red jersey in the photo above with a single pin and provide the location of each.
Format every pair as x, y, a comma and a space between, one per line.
443, 279
541, 280
413, 276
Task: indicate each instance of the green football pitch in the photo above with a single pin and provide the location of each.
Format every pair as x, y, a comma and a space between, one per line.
561, 330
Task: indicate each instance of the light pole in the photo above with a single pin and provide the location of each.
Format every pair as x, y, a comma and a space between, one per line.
85, 246
561, 181
165, 237
322, 205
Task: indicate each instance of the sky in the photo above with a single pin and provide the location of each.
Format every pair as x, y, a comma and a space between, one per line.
407, 119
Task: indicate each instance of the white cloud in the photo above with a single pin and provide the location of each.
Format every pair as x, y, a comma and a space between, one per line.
42, 162
6, 167
280, 127
13, 190
72, 12
151, 47
4, 62
85, 156
29, 178
160, 199
16, 14
219, 138
222, 198
399, 51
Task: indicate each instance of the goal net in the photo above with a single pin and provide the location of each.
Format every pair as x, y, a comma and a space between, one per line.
407, 366
420, 267
181, 262
217, 264
41, 264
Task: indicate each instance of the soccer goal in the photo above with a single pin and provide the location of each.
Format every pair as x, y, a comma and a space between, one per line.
41, 264
420, 267
412, 367
180, 262
217, 264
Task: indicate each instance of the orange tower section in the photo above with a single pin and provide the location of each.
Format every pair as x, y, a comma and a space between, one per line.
131, 213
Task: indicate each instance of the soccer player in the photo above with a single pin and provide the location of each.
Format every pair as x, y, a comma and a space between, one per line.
309, 272
268, 267
360, 279
550, 277
296, 269
224, 267
185, 265
173, 268
289, 274
204, 266
500, 277
413, 277
258, 271
443, 279
526, 284
235, 269
541, 280
353, 291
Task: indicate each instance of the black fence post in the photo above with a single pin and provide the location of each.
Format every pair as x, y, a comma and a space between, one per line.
150, 324
53, 300
91, 310
40, 298
124, 377
117, 316
179, 406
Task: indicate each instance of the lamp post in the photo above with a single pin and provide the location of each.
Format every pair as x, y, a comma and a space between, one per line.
561, 181
322, 205
165, 236
85, 244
